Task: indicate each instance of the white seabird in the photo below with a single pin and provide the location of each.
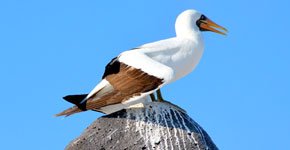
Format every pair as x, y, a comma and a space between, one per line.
135, 74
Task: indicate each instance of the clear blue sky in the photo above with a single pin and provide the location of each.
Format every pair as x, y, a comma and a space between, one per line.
239, 93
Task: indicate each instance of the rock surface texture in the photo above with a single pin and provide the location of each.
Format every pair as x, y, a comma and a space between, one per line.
157, 126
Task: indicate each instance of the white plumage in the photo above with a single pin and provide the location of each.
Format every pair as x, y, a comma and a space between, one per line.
167, 60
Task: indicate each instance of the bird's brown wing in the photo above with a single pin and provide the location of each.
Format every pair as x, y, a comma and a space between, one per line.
127, 82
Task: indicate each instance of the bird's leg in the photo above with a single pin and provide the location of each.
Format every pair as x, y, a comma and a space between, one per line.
159, 96
152, 96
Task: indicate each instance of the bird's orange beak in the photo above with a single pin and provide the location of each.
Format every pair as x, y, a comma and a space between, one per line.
209, 25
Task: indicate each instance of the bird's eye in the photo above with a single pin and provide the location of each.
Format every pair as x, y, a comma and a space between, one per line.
202, 17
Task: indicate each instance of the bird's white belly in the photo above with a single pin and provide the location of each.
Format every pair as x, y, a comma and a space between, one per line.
182, 62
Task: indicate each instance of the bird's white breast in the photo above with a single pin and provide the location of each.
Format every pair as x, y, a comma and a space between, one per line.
182, 59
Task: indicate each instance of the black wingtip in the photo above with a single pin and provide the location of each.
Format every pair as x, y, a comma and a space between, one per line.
75, 99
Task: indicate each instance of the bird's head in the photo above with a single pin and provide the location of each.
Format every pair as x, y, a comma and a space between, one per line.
195, 22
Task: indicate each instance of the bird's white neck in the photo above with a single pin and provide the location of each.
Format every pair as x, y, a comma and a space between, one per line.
190, 34
187, 32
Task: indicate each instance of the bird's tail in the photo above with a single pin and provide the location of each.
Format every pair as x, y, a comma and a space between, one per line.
69, 111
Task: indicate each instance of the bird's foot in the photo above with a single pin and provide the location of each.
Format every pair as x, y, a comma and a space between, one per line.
161, 100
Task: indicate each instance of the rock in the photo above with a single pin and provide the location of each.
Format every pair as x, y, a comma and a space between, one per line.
159, 126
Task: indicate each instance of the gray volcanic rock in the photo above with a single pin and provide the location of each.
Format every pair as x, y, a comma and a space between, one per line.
158, 125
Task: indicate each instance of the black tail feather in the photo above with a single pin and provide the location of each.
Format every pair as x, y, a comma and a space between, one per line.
77, 99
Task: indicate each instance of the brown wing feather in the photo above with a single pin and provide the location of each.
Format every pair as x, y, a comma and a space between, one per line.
127, 83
